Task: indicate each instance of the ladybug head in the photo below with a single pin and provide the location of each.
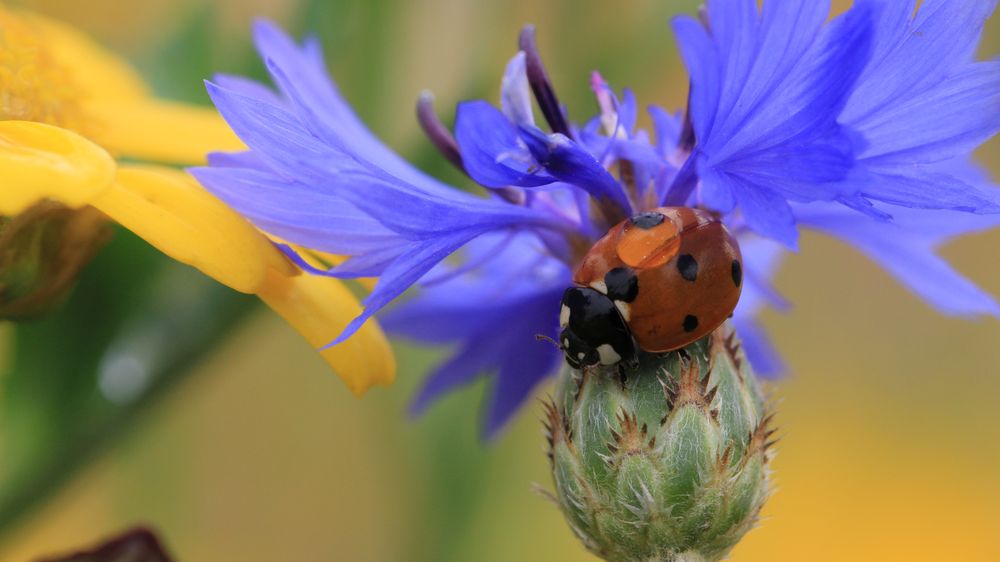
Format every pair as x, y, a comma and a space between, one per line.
593, 330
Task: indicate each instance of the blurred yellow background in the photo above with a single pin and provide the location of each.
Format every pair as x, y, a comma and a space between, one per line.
891, 428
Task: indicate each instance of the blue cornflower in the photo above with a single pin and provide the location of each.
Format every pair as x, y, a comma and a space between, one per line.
860, 127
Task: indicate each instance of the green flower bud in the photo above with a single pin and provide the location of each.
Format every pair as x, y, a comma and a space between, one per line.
42, 252
666, 462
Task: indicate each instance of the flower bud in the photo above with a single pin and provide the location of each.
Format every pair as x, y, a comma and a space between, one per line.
665, 462
42, 251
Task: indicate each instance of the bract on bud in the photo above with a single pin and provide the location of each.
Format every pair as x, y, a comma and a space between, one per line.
667, 461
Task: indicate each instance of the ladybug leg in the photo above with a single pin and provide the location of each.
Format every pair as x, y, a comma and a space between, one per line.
622, 374
629, 363
578, 380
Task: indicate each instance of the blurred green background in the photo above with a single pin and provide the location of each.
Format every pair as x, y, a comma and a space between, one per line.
242, 446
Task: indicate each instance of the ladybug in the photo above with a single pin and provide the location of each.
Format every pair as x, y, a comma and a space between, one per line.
656, 282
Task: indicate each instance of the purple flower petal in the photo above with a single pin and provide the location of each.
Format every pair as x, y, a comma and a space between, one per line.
571, 163
301, 74
926, 187
761, 258
766, 94
668, 129
493, 314
492, 153
249, 88
906, 249
761, 352
416, 216
913, 53
515, 92
949, 119
922, 99
404, 272
297, 213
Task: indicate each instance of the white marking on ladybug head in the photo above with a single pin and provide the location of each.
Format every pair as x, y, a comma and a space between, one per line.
581, 355
625, 308
608, 354
600, 286
564, 317
565, 342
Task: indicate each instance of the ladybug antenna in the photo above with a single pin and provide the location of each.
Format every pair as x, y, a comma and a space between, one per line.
543, 337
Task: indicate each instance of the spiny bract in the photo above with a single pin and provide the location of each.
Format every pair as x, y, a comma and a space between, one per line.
667, 462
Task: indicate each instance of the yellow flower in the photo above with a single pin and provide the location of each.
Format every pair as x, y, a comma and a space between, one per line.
69, 110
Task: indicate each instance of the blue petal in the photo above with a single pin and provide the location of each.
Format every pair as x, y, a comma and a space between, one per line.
906, 248
500, 340
668, 129
246, 159
493, 314
571, 163
715, 191
949, 119
491, 150
926, 187
464, 367
300, 72
766, 213
282, 143
370, 264
527, 364
417, 216
761, 258
248, 87
272, 132
448, 311
765, 98
701, 57
515, 92
760, 350
628, 112
912, 54
300, 214
923, 100
404, 272
770, 73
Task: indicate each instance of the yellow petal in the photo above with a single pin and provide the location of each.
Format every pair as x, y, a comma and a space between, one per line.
40, 161
162, 131
168, 209
319, 308
97, 72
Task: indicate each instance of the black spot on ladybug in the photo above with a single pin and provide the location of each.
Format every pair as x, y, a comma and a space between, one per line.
690, 323
688, 267
737, 273
622, 284
648, 220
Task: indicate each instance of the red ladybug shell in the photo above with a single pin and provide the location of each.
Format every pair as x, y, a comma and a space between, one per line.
675, 273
